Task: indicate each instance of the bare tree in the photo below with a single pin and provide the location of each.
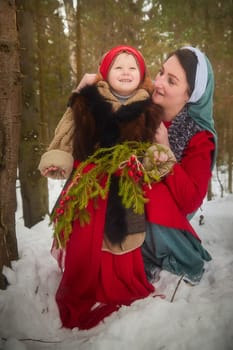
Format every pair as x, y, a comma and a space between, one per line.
73, 18
10, 92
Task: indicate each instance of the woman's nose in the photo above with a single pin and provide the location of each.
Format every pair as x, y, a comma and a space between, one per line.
158, 82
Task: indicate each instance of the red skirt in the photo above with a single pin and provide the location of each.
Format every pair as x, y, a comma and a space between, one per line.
96, 283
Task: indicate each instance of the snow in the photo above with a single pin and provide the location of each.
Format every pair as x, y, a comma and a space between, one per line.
200, 317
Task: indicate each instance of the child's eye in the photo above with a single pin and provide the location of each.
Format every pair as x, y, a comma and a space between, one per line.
133, 68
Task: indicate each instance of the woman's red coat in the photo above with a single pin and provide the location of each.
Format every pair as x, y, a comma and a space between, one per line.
96, 283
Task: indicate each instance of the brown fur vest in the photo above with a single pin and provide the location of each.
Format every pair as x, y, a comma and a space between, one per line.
102, 121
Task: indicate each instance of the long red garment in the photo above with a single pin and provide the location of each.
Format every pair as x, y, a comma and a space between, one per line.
96, 283
183, 190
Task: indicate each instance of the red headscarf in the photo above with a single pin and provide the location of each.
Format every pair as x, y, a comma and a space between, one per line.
110, 55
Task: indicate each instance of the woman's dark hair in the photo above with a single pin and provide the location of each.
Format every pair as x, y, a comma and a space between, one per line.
188, 61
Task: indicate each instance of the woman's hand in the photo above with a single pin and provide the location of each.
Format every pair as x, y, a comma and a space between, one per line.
161, 135
87, 79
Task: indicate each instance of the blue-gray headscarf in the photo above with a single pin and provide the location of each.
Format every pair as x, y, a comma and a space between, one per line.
200, 103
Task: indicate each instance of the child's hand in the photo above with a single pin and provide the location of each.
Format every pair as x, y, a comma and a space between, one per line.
160, 157
54, 172
159, 160
156, 154
56, 164
87, 79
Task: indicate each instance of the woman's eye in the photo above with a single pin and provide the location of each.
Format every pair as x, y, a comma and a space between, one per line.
171, 81
160, 72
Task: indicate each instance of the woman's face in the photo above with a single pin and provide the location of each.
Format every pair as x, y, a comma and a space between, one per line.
124, 75
171, 87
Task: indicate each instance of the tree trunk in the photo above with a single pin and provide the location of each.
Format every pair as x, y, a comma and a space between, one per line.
70, 17
209, 193
79, 42
10, 105
230, 154
34, 190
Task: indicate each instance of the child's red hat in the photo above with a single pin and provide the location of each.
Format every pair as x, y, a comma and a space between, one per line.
108, 58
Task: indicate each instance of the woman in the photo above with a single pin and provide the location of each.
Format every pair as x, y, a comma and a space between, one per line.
184, 89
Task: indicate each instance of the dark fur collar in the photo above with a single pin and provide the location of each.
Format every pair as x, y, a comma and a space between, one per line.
98, 125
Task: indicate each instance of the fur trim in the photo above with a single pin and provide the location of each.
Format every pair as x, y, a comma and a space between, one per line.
106, 126
102, 121
94, 116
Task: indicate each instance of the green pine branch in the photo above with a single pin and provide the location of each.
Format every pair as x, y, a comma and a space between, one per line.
93, 183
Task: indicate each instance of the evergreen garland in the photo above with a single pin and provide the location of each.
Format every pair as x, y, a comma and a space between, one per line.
92, 178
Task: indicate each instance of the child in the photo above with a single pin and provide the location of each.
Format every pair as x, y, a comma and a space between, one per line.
103, 264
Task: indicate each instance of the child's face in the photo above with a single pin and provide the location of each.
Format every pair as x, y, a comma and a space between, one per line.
124, 75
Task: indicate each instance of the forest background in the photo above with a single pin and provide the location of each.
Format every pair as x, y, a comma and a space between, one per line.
45, 48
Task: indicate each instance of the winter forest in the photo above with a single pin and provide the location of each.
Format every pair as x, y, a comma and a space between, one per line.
45, 48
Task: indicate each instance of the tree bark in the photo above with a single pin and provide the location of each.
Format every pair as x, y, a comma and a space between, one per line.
34, 133
10, 106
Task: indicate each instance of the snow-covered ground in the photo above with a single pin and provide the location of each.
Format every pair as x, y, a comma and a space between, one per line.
199, 317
